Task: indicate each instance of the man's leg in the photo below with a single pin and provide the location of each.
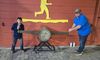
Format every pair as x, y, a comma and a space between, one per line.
82, 40
21, 43
14, 44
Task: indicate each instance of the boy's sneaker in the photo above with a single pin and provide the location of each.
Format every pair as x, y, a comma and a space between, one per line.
22, 50
13, 51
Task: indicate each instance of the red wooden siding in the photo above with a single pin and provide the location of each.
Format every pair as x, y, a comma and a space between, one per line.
61, 9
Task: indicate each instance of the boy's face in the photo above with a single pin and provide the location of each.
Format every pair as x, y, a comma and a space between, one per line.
19, 21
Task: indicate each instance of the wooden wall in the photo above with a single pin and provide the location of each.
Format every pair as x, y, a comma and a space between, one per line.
61, 9
97, 24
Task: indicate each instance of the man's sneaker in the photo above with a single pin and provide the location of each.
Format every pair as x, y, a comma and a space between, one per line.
79, 53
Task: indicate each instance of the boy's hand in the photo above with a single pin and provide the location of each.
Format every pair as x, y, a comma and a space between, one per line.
20, 31
18, 26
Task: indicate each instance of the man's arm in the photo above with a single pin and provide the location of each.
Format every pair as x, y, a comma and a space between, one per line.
73, 25
75, 28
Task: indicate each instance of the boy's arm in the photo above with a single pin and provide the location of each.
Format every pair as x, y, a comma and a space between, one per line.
12, 28
23, 27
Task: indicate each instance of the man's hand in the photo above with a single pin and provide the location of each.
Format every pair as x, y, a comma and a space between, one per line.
70, 30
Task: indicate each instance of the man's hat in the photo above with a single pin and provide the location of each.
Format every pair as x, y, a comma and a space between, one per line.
77, 10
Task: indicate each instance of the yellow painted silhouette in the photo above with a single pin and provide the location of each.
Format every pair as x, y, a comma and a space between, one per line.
46, 20
44, 8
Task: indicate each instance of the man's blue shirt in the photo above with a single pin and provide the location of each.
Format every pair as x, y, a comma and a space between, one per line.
85, 26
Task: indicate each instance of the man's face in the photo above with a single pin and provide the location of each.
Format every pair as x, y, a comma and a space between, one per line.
19, 21
77, 14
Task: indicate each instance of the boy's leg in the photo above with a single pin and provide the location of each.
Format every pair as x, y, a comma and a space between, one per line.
14, 44
21, 43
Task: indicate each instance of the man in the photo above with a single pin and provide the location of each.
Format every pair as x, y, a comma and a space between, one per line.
82, 25
16, 27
